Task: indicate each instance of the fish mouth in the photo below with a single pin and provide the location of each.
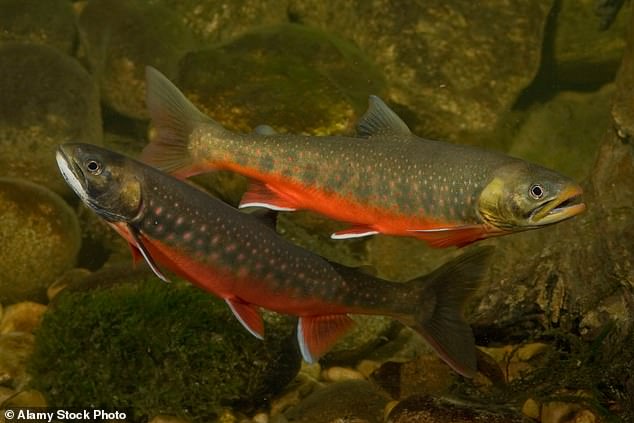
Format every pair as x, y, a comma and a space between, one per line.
566, 205
72, 173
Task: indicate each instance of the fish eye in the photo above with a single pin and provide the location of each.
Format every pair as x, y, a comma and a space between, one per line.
93, 167
536, 191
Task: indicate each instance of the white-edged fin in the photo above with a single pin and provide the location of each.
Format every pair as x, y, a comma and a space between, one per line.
146, 255
265, 206
316, 334
380, 119
248, 315
264, 130
260, 195
353, 233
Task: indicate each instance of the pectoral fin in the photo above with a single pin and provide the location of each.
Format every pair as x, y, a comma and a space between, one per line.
316, 334
458, 236
248, 315
137, 248
138, 243
260, 195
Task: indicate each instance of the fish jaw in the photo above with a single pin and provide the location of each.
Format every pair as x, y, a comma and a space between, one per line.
71, 173
562, 207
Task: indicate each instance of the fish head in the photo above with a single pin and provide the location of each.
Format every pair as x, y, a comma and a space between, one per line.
522, 196
104, 180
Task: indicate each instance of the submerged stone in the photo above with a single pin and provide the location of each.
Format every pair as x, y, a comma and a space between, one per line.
354, 400
564, 132
293, 78
39, 240
15, 349
123, 338
22, 317
455, 65
47, 99
427, 409
584, 52
212, 21
50, 22
120, 37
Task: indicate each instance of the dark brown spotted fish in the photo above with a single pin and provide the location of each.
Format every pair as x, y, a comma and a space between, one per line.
176, 226
385, 181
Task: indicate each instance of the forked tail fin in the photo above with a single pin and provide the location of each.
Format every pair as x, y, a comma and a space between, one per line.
174, 118
444, 327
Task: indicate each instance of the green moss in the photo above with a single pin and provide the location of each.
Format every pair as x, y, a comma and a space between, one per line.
157, 349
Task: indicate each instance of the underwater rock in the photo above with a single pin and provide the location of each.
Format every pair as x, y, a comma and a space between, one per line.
583, 52
28, 398
22, 317
456, 65
567, 127
257, 79
69, 278
354, 400
427, 409
426, 374
39, 240
367, 333
47, 99
576, 278
212, 21
163, 418
120, 37
340, 374
33, 21
123, 338
15, 350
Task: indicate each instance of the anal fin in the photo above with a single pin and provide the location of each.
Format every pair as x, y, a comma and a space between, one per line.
316, 334
248, 315
260, 195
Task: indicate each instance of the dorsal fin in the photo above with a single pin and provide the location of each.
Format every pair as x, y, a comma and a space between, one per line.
380, 119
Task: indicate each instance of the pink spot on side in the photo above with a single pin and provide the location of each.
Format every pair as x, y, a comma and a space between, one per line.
231, 247
180, 221
243, 272
187, 236
158, 211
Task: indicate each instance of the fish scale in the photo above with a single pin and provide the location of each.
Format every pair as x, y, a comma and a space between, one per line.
383, 181
177, 227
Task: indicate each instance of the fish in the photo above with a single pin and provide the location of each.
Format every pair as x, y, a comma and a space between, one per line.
384, 180
175, 226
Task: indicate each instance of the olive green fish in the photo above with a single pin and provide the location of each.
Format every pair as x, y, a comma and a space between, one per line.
386, 180
173, 225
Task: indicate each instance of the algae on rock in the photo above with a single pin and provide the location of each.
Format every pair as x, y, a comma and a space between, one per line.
39, 239
47, 99
123, 339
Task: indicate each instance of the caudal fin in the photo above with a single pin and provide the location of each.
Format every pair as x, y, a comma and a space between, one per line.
174, 118
444, 327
